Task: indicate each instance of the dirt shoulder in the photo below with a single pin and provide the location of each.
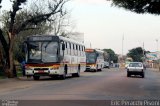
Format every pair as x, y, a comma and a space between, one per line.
8, 84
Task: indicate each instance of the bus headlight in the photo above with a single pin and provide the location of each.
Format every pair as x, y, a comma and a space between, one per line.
28, 68
54, 68
93, 66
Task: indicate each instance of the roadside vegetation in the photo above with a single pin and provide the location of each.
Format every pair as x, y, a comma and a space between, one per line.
28, 18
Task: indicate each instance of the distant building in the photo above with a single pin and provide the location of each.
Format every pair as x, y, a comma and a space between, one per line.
153, 56
153, 59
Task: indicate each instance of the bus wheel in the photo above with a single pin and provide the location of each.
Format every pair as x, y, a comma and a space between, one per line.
101, 68
36, 77
63, 77
96, 70
78, 72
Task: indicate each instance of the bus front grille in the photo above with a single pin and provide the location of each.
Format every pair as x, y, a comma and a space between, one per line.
41, 69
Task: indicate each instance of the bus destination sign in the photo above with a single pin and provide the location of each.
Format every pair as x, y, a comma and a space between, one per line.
40, 38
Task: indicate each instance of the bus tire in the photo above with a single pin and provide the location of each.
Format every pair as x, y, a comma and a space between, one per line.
63, 77
36, 77
96, 70
78, 72
101, 68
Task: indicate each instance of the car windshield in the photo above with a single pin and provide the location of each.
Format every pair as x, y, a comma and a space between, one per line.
43, 52
135, 65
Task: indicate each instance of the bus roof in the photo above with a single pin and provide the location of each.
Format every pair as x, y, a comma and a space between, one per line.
49, 37
93, 50
70, 40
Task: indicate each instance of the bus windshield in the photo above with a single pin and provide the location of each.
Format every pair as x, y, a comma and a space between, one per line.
91, 57
42, 52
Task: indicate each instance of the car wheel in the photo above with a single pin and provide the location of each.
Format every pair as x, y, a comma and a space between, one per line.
142, 75
128, 74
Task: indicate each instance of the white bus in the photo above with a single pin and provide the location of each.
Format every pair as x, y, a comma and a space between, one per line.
94, 59
48, 55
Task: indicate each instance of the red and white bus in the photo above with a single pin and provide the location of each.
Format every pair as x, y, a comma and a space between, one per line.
94, 59
48, 55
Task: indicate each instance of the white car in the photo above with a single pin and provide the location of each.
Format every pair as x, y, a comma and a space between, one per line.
135, 68
106, 65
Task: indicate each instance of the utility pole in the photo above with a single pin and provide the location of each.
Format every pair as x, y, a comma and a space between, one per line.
122, 52
157, 44
90, 45
143, 53
122, 44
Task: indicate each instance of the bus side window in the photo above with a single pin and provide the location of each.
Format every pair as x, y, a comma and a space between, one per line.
80, 50
66, 50
83, 51
77, 49
70, 49
61, 51
66, 44
74, 49
76, 52
73, 46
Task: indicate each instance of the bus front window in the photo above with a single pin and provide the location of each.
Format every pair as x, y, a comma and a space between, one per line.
91, 57
49, 52
43, 52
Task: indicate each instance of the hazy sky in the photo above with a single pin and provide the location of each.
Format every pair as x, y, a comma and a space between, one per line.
104, 25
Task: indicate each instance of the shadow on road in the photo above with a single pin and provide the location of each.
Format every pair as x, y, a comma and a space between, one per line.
135, 76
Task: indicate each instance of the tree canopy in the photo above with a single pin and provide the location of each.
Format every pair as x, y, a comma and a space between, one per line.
136, 54
139, 6
111, 55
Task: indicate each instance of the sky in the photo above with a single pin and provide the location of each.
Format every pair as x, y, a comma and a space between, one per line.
104, 26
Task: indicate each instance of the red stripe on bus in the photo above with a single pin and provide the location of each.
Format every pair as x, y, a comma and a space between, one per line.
41, 65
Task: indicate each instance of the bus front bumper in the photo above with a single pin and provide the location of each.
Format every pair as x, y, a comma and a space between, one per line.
42, 72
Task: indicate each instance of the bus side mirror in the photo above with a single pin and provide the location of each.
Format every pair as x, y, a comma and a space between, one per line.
63, 46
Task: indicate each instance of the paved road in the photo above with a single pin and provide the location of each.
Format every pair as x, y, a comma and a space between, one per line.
110, 84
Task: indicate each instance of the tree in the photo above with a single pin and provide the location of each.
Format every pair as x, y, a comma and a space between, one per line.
41, 28
111, 55
15, 25
137, 54
139, 6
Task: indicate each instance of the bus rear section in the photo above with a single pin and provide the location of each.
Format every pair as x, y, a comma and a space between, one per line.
52, 56
94, 60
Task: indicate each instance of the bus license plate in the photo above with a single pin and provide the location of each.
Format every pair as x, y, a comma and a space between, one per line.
41, 71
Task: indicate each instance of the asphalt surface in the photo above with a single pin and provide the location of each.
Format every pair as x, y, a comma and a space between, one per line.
108, 84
